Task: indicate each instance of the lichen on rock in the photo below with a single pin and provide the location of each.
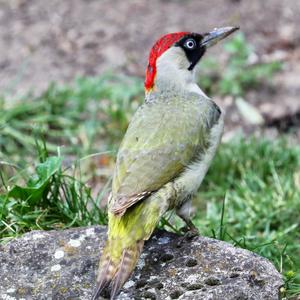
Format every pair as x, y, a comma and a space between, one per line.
62, 265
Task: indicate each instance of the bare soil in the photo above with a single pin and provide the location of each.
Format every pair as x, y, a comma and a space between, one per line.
54, 40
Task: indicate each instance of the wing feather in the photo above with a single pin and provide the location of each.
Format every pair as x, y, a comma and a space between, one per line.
162, 139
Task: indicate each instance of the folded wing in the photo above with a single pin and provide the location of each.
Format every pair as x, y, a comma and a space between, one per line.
163, 138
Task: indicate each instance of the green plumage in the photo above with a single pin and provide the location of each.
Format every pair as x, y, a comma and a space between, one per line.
166, 135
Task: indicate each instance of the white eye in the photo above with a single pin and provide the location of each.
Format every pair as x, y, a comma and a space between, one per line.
190, 44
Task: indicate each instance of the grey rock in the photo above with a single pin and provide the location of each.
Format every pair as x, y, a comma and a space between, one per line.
62, 264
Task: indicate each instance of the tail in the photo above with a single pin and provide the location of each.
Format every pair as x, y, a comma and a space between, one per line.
115, 272
126, 236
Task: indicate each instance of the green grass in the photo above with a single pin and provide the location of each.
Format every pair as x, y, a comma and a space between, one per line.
51, 197
239, 74
259, 180
56, 148
84, 117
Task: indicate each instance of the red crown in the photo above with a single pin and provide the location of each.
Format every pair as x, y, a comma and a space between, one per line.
161, 45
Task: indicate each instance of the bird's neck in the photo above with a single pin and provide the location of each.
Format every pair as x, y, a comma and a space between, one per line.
174, 76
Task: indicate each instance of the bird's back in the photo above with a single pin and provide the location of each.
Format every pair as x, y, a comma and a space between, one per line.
166, 133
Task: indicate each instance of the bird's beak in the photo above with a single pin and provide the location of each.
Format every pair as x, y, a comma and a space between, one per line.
217, 35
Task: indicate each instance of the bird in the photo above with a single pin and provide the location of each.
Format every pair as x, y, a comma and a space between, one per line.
164, 155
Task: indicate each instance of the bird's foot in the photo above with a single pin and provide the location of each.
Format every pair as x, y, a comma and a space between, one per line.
189, 234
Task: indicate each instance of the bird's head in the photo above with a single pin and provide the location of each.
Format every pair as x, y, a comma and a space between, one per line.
173, 57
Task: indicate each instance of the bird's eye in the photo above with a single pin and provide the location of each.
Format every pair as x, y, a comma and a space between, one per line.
190, 44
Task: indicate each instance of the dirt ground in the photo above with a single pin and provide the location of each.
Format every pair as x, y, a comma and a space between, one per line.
44, 41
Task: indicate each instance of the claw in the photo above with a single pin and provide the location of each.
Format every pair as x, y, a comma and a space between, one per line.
189, 234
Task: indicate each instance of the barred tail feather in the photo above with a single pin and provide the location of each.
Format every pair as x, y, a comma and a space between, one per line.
128, 262
107, 271
116, 273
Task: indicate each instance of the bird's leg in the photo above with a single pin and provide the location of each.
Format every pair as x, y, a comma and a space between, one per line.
190, 228
184, 213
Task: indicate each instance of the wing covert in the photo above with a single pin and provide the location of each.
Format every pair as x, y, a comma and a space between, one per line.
162, 139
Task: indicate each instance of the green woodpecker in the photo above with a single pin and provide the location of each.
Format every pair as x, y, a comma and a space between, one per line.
165, 154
